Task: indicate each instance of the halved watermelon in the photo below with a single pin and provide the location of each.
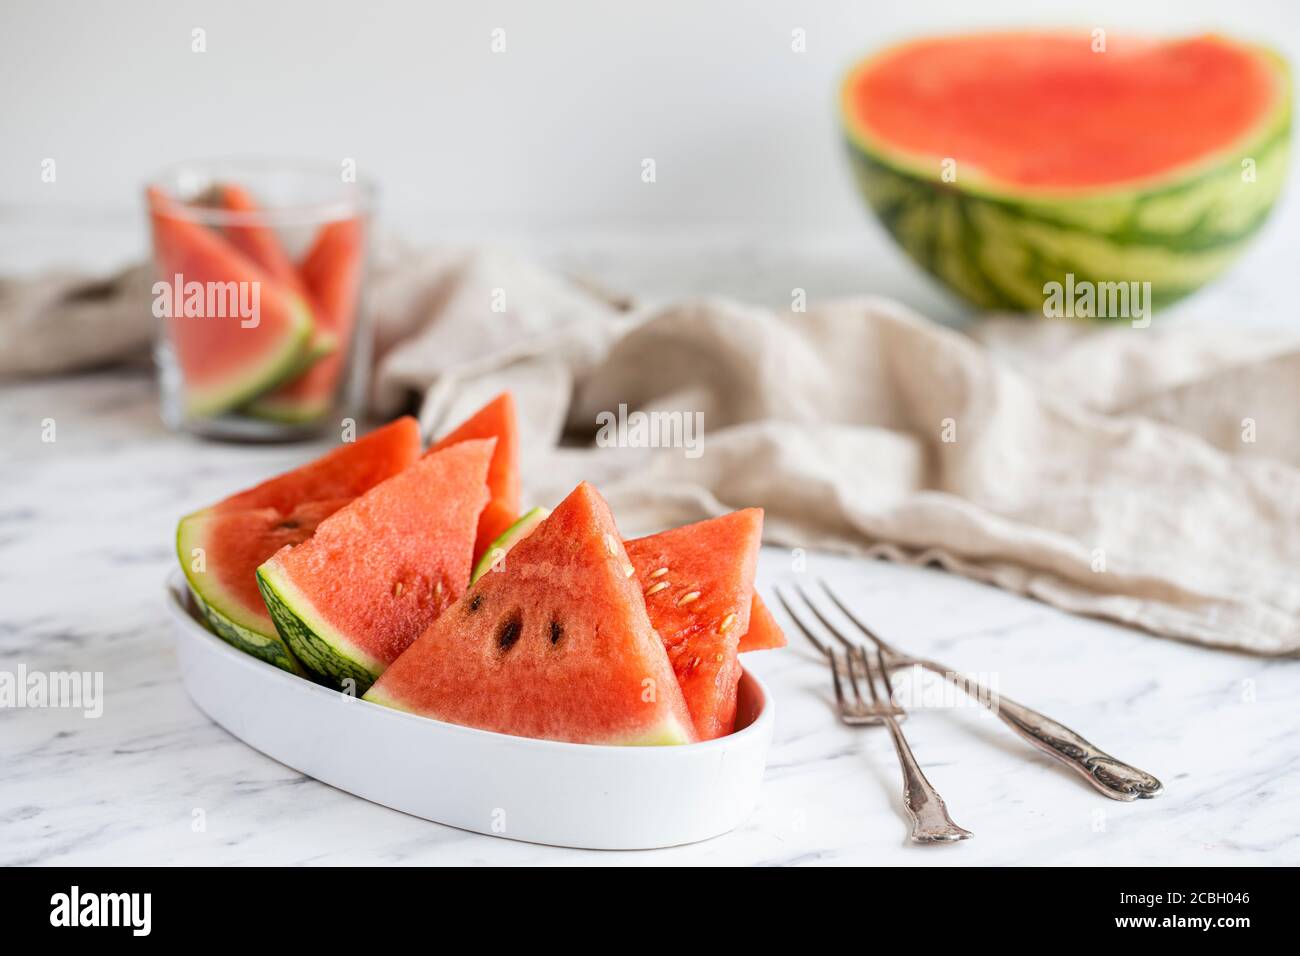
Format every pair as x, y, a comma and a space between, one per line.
764, 633
1005, 162
223, 361
556, 646
699, 584
221, 546
375, 574
331, 272
496, 420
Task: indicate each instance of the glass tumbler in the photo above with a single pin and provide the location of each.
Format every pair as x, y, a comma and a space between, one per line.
260, 268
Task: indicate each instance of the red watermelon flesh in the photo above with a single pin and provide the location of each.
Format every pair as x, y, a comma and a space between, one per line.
496, 420
349, 470
236, 542
221, 547
999, 104
555, 646
223, 359
375, 574
331, 272
255, 239
699, 585
764, 633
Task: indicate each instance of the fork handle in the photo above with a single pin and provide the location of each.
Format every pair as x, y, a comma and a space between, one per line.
1113, 777
930, 820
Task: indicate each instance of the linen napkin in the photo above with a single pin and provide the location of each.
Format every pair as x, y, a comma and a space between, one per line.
1148, 476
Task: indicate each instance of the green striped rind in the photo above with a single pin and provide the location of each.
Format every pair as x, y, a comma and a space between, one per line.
998, 249
221, 611
273, 369
321, 649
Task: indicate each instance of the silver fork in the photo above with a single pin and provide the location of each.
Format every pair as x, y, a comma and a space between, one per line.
928, 812
1113, 777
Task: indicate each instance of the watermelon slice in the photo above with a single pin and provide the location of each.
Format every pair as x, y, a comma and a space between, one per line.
255, 239
764, 633
378, 572
699, 584
221, 547
556, 646
496, 420
224, 362
495, 555
331, 272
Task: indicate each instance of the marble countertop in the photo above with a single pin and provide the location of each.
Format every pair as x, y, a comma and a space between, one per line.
86, 525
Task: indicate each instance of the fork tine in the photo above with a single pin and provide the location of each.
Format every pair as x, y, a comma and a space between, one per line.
780, 596
868, 632
853, 678
871, 677
835, 677
880, 673
822, 618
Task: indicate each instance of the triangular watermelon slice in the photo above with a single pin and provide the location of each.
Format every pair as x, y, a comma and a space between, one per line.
353, 596
557, 645
221, 546
496, 420
224, 359
331, 272
764, 633
699, 585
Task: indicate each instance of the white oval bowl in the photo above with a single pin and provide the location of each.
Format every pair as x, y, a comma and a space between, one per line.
538, 791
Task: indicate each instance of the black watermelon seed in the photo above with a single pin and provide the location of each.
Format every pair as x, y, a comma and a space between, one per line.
557, 632
475, 603
511, 628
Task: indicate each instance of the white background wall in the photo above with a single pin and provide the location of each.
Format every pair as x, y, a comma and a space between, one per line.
548, 135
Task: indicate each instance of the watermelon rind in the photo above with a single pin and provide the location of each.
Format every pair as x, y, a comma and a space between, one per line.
288, 411
507, 540
281, 364
320, 648
997, 246
220, 611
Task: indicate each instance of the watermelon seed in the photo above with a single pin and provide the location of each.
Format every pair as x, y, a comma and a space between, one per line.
628, 570
687, 598
475, 603
397, 589
510, 631
557, 632
610, 545
659, 574
656, 588
727, 621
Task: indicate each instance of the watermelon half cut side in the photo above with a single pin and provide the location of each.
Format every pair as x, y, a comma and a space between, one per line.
221, 547
353, 596
331, 272
496, 420
1004, 162
223, 360
557, 646
698, 582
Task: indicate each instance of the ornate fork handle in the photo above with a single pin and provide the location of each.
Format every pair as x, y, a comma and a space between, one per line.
1113, 777
930, 820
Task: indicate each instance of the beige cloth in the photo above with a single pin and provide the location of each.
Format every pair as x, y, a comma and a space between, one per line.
1149, 476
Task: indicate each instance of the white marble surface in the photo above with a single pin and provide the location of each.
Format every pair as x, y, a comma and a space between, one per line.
86, 525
